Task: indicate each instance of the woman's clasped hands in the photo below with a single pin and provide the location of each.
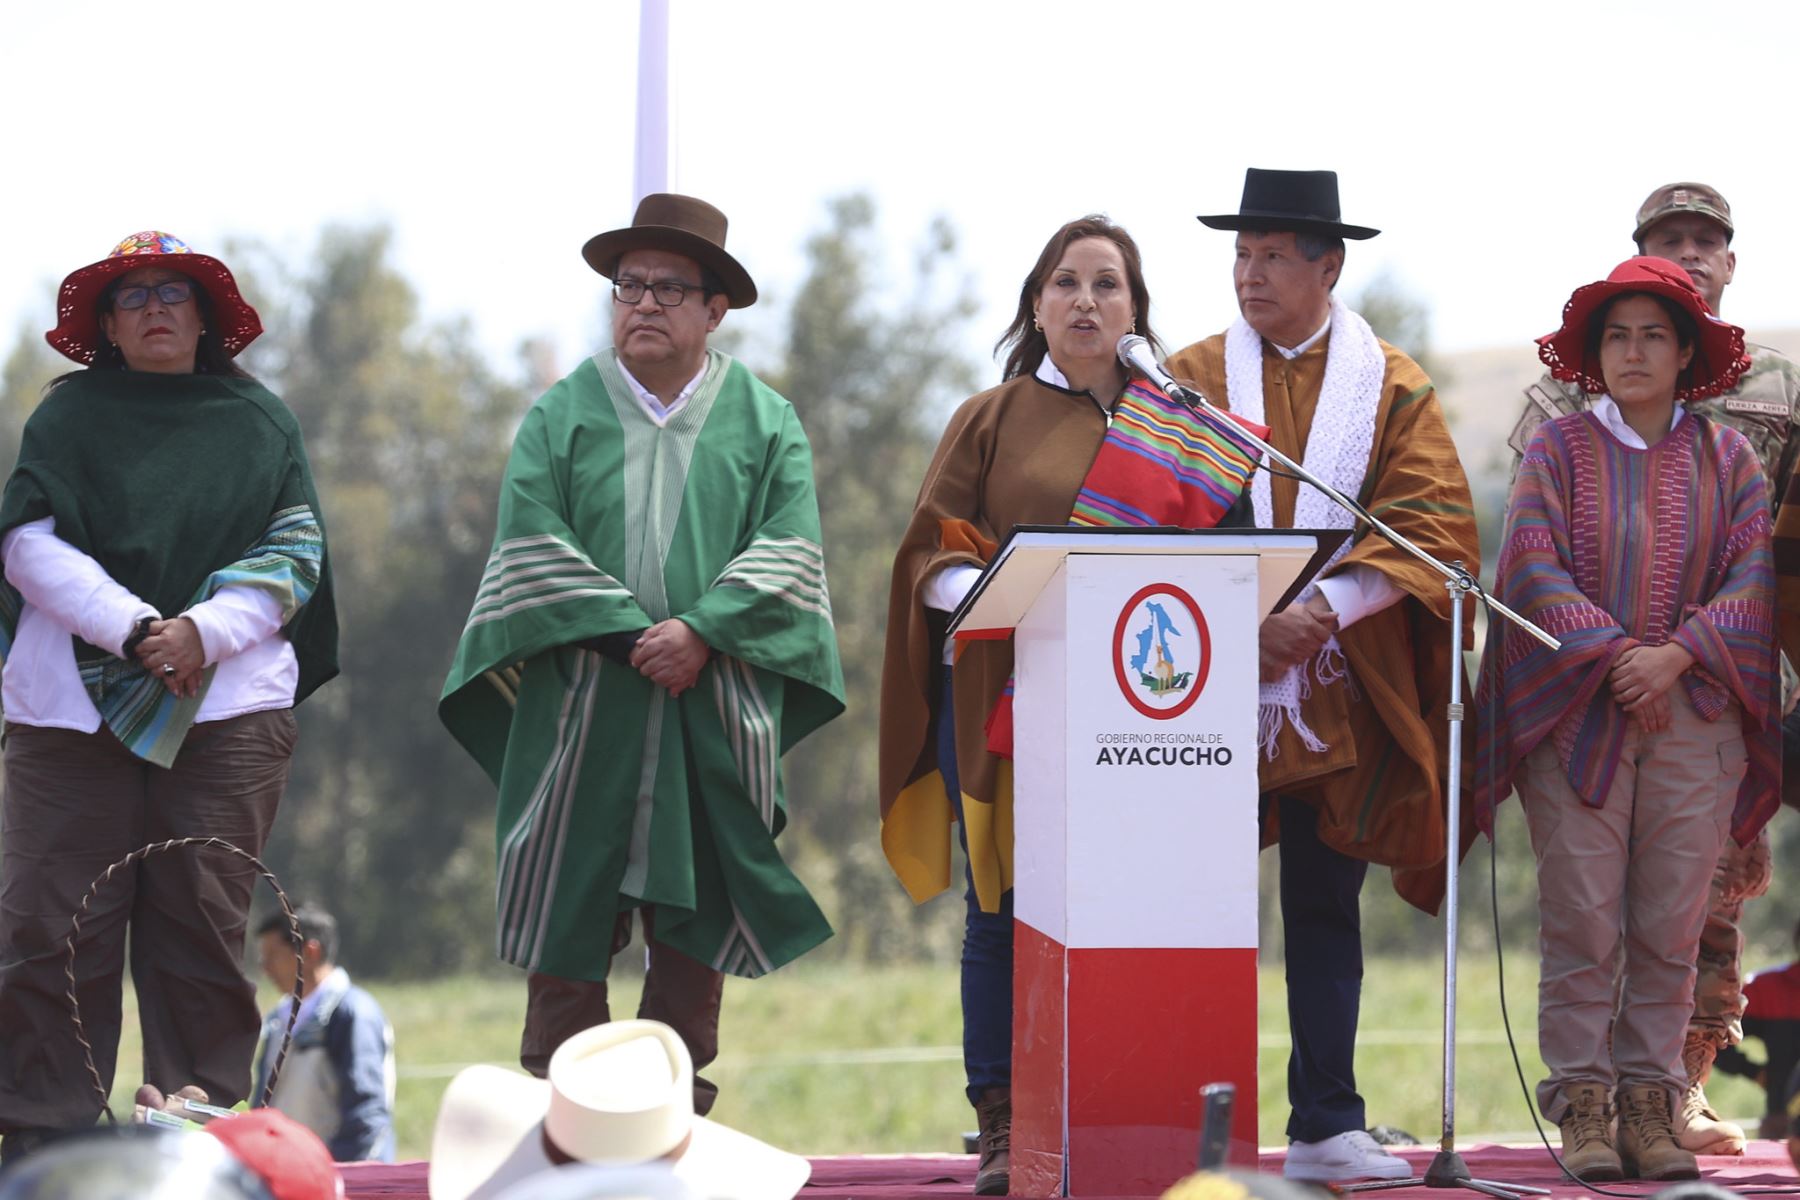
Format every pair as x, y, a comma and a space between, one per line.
1641, 678
174, 654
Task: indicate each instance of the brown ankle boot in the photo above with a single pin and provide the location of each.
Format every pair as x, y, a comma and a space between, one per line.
1647, 1144
1587, 1145
993, 1115
1698, 1125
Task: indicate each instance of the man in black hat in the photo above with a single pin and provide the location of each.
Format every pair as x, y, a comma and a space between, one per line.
652, 633
1691, 225
1355, 673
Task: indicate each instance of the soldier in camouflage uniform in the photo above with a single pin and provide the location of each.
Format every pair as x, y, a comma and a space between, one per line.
1690, 224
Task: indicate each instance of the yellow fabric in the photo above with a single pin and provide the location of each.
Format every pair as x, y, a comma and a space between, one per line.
989, 828
912, 836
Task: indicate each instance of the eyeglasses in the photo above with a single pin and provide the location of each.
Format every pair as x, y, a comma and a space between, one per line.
175, 291
668, 292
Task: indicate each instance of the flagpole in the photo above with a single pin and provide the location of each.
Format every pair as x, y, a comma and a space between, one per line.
651, 162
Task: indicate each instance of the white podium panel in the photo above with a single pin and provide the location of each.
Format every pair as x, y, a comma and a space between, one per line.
1135, 845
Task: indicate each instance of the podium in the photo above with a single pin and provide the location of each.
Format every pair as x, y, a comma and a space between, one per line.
1135, 839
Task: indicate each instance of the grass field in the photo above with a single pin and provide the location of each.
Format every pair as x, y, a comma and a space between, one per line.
833, 1060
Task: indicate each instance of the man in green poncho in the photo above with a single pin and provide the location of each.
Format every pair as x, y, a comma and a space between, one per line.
652, 633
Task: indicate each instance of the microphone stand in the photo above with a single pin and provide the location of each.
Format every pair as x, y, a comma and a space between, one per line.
1447, 1169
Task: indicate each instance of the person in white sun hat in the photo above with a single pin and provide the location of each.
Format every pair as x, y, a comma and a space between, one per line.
618, 1095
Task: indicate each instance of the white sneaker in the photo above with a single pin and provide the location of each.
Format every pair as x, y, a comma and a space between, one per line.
1353, 1155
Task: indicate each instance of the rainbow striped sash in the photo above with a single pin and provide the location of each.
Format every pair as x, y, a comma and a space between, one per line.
1163, 464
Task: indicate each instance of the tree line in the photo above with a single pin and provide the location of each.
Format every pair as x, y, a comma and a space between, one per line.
386, 822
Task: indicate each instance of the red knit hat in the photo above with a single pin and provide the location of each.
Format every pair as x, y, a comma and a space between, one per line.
288, 1156
1718, 360
77, 333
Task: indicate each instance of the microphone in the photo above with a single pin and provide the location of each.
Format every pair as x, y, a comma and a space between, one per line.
1134, 352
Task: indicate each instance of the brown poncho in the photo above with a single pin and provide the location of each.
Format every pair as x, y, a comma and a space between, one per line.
1015, 455
1380, 783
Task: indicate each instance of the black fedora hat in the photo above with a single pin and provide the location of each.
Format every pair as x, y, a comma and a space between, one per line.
1301, 201
680, 225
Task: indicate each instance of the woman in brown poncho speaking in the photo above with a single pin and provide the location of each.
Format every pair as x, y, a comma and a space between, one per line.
1068, 437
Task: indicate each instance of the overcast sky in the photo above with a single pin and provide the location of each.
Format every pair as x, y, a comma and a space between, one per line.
1502, 149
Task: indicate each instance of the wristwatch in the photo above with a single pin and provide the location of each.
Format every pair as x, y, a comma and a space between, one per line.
139, 632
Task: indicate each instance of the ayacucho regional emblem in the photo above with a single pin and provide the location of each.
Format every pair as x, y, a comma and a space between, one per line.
1161, 651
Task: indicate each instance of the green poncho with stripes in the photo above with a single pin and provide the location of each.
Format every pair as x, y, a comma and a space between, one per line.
614, 795
178, 486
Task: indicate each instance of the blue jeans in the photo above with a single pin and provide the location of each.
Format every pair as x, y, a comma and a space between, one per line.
987, 955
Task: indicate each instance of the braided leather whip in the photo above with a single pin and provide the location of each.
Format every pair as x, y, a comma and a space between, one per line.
136, 856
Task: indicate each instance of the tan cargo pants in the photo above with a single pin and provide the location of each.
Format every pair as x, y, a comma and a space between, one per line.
1627, 880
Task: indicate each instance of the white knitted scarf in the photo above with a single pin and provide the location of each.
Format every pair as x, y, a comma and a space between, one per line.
1337, 451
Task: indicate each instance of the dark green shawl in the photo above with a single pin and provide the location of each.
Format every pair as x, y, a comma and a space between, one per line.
178, 485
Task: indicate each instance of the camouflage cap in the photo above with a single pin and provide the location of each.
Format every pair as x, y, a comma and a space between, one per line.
1679, 198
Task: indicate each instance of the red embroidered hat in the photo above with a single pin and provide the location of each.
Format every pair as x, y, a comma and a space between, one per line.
1718, 355
287, 1155
77, 333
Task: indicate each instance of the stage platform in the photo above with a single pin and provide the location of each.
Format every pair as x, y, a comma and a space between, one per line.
936, 1177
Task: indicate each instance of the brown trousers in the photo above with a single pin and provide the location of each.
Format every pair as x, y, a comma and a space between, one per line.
74, 804
1628, 880
681, 992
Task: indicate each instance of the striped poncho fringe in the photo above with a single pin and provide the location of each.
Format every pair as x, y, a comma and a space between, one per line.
1607, 548
1161, 463
152, 721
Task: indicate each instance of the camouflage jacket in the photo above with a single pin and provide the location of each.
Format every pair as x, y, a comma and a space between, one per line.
1764, 407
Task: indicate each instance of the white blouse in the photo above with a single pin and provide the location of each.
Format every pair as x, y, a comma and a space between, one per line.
67, 592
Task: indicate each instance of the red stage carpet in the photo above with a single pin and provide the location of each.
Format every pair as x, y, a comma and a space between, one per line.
932, 1176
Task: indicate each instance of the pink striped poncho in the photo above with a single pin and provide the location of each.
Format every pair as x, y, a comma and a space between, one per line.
1609, 547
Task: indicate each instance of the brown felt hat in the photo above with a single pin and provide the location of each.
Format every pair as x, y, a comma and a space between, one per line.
680, 225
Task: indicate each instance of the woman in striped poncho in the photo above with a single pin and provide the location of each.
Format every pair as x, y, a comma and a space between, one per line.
1638, 535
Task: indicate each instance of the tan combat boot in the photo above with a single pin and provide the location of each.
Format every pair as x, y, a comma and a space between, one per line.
1647, 1142
993, 1115
1698, 1126
1587, 1148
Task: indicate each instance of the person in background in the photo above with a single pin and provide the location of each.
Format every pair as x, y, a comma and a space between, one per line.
1691, 225
338, 1077
1771, 1014
1638, 535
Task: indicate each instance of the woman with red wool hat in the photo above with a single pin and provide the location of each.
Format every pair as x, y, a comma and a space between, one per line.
166, 603
1638, 535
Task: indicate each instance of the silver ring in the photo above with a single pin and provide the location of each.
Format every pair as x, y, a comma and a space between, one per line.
168, 668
